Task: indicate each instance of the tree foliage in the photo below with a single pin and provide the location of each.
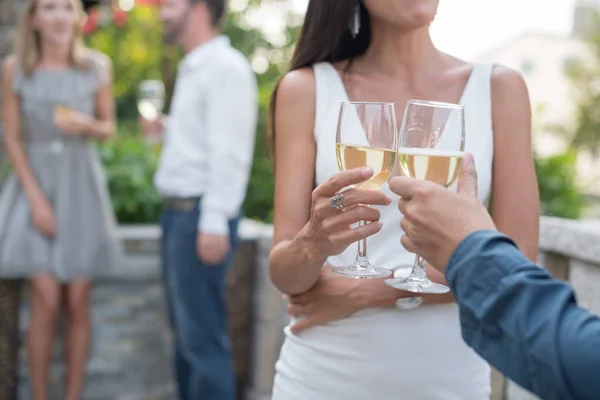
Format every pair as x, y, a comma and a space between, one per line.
559, 195
585, 77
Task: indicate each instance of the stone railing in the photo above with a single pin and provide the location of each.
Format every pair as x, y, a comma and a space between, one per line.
569, 250
131, 350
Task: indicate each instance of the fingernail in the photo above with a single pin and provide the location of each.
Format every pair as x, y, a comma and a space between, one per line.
469, 161
388, 199
366, 172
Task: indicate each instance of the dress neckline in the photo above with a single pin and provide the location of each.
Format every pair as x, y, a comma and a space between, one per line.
346, 97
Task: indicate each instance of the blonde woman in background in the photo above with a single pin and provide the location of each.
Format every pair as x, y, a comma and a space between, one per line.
57, 227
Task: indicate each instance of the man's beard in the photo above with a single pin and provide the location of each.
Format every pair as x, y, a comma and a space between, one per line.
174, 34
172, 37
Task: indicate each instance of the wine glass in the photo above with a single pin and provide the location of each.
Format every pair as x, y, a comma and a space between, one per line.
151, 99
366, 137
431, 147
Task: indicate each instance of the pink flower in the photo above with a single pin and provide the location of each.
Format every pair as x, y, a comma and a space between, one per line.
91, 22
119, 18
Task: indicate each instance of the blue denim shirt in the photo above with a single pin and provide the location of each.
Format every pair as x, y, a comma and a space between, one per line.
522, 321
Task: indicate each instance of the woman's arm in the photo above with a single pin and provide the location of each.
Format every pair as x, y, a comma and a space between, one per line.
102, 127
306, 229
515, 196
11, 119
293, 267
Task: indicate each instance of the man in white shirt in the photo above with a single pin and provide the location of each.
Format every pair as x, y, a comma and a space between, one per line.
203, 175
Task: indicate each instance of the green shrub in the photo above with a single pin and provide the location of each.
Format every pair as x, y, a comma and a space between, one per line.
130, 163
559, 194
258, 204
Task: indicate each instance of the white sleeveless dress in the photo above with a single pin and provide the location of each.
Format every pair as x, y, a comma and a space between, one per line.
386, 353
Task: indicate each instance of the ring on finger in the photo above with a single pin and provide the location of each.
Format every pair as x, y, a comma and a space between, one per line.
337, 201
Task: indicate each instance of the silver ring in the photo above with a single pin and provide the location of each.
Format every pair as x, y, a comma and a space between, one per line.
337, 201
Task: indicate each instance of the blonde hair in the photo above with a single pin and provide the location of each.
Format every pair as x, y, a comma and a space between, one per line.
29, 41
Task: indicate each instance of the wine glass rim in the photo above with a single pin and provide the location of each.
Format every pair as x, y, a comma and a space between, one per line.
385, 103
435, 104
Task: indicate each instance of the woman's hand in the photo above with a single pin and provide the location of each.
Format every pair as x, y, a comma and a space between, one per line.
43, 217
329, 232
72, 122
332, 298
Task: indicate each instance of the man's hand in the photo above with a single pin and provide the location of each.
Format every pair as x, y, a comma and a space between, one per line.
152, 128
435, 219
212, 249
332, 298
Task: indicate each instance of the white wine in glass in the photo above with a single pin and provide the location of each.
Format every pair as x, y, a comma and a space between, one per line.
151, 99
430, 147
150, 103
150, 109
380, 160
432, 165
366, 137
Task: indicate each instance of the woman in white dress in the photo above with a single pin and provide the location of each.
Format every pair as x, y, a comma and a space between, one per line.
348, 340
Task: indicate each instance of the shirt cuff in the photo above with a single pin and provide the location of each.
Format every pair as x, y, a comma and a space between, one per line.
478, 264
214, 223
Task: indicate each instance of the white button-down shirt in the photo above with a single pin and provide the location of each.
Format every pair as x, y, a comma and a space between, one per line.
210, 133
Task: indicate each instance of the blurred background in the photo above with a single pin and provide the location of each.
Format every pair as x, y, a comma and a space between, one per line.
554, 44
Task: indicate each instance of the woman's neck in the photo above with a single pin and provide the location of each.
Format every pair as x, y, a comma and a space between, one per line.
394, 52
54, 56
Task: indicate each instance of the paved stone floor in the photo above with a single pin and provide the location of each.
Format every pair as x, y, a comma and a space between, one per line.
129, 357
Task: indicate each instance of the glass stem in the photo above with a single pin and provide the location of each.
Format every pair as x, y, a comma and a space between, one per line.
361, 257
418, 272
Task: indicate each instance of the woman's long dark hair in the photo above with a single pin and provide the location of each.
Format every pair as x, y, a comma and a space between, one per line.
325, 36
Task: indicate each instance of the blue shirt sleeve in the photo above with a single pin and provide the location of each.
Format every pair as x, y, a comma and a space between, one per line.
523, 322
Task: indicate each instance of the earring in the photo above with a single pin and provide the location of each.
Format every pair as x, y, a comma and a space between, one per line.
354, 24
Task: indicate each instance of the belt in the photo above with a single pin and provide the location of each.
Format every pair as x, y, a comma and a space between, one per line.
185, 204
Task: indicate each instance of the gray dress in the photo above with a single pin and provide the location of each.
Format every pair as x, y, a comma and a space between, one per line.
69, 171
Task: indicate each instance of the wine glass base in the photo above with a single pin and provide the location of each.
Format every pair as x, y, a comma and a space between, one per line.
415, 285
359, 272
409, 303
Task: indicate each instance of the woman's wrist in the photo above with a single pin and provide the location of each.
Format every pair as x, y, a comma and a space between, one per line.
309, 249
96, 128
35, 196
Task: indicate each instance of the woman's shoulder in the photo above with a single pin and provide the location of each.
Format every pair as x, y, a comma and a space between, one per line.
99, 66
502, 77
96, 59
12, 75
298, 85
507, 79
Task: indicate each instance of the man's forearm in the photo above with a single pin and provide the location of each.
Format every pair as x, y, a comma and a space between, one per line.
523, 322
